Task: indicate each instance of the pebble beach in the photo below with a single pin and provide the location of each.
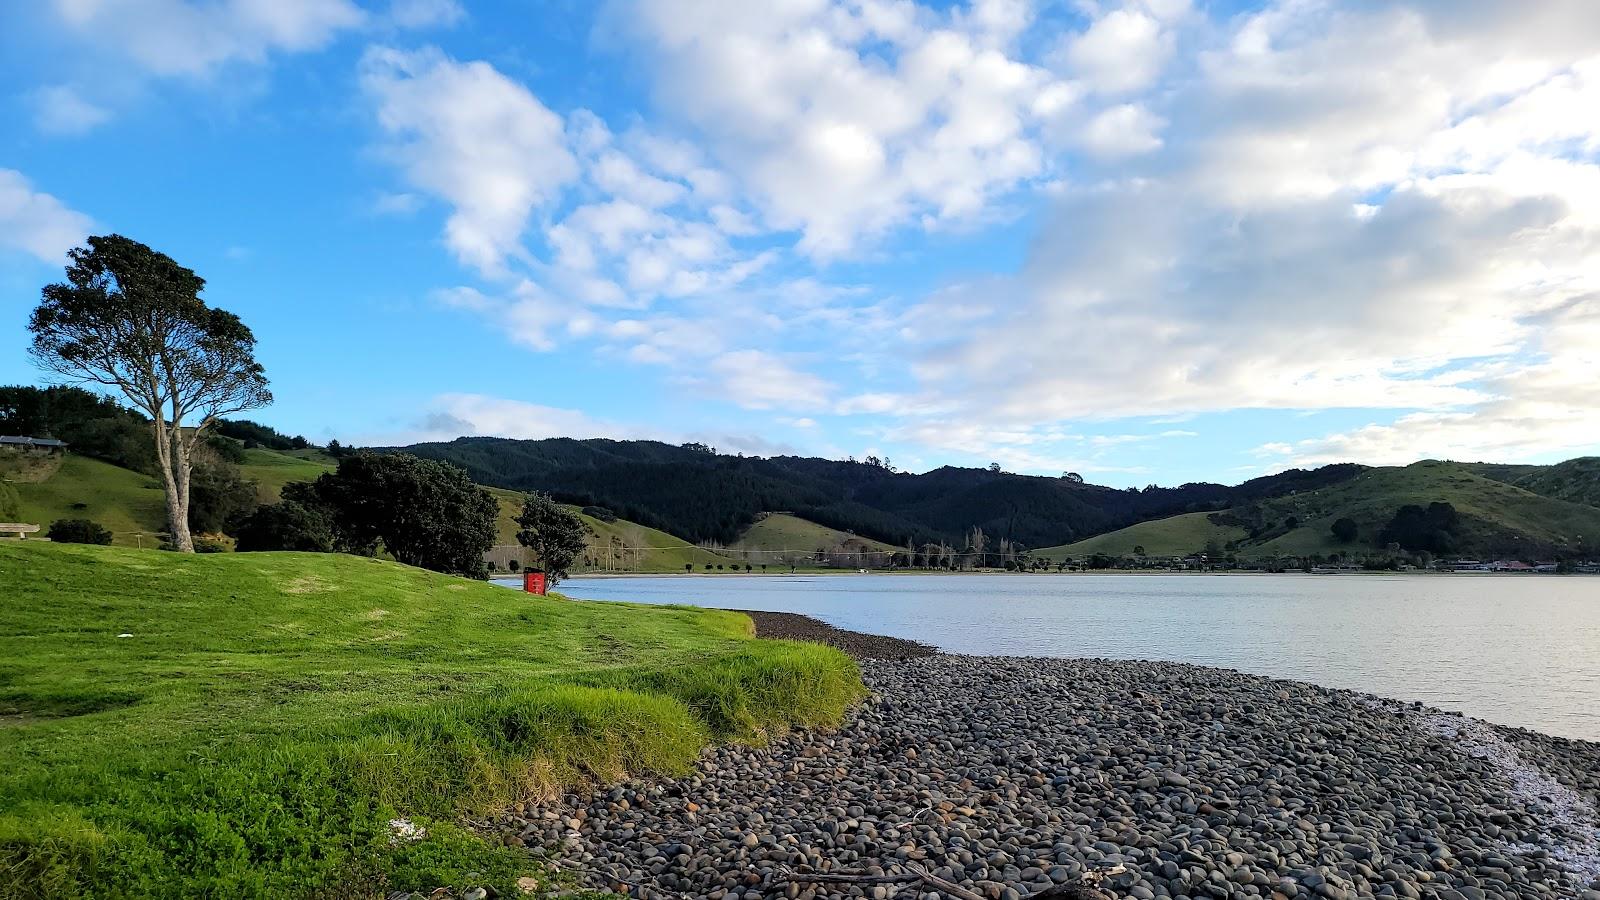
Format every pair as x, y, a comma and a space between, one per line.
1012, 776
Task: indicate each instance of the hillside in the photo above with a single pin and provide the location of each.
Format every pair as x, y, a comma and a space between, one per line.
617, 545
129, 503
706, 497
272, 469
246, 725
1497, 518
781, 538
1576, 480
1173, 536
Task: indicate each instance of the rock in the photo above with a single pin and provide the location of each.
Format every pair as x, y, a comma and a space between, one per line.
1007, 776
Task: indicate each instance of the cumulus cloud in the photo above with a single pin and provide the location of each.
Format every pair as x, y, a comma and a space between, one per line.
1371, 205
178, 37
468, 134
37, 223
845, 121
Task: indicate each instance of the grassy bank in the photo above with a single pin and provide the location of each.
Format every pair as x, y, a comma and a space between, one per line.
269, 714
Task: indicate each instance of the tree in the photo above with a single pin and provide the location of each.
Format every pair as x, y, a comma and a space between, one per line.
286, 525
425, 513
994, 467
555, 536
688, 568
1344, 529
1072, 477
1138, 550
78, 531
1414, 528
131, 319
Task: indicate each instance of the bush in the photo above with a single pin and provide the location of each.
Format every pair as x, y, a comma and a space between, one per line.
210, 545
78, 531
286, 526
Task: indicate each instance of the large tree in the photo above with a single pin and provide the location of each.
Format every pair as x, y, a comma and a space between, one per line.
131, 319
556, 536
426, 513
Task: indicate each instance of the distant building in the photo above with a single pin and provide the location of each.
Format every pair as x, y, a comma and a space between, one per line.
32, 446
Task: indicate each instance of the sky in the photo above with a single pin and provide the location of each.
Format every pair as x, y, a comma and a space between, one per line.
1150, 241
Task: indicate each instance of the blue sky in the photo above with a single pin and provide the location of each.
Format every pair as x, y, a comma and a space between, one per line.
1150, 241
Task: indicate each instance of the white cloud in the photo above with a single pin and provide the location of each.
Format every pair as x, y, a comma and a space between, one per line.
61, 110
178, 37
468, 134
1127, 129
1122, 51
37, 223
845, 121
425, 13
755, 379
1370, 205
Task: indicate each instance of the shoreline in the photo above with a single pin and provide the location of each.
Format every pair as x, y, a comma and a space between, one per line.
1008, 776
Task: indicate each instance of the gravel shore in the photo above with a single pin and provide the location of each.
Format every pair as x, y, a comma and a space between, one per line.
1008, 776
861, 645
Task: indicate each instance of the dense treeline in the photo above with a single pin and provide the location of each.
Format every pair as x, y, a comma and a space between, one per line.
695, 493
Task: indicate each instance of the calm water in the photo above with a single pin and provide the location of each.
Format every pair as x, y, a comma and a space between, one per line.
1518, 650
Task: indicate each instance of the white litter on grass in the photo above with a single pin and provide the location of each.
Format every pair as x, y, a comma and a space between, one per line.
1572, 828
124, 634
405, 831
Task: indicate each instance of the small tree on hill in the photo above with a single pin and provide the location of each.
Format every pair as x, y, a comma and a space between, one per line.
555, 536
131, 319
1344, 529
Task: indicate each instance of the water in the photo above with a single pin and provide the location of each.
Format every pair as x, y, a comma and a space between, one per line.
1516, 650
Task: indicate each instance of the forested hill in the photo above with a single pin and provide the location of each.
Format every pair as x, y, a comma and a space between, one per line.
700, 495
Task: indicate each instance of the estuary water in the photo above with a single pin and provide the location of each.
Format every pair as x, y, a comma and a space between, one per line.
1518, 650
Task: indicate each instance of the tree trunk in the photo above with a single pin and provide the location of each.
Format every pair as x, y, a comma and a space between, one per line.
174, 464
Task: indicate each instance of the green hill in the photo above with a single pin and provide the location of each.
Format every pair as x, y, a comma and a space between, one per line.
1172, 536
272, 469
132, 505
776, 537
617, 545
247, 724
1497, 518
1576, 480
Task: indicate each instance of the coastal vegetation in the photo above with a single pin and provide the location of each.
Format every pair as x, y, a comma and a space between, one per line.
287, 724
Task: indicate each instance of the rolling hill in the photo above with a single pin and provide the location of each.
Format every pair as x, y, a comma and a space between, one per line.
703, 496
782, 538
1497, 518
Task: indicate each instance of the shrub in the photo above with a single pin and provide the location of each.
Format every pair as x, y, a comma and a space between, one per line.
210, 545
78, 531
287, 525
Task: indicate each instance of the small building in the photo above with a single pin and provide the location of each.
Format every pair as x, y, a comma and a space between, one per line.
32, 446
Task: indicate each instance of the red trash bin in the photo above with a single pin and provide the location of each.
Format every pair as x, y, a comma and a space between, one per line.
533, 581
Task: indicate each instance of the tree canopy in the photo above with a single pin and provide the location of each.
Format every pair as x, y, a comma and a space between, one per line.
556, 536
424, 512
130, 319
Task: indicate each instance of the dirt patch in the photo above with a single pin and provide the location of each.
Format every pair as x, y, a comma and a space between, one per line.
307, 584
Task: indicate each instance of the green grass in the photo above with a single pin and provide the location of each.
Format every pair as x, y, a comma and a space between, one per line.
130, 504
271, 469
781, 531
1173, 536
1576, 480
271, 712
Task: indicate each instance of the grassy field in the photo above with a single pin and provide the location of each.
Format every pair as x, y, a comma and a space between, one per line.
1172, 536
781, 531
246, 725
130, 504
271, 469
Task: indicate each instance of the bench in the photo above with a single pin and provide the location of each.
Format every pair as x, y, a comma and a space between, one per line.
17, 528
